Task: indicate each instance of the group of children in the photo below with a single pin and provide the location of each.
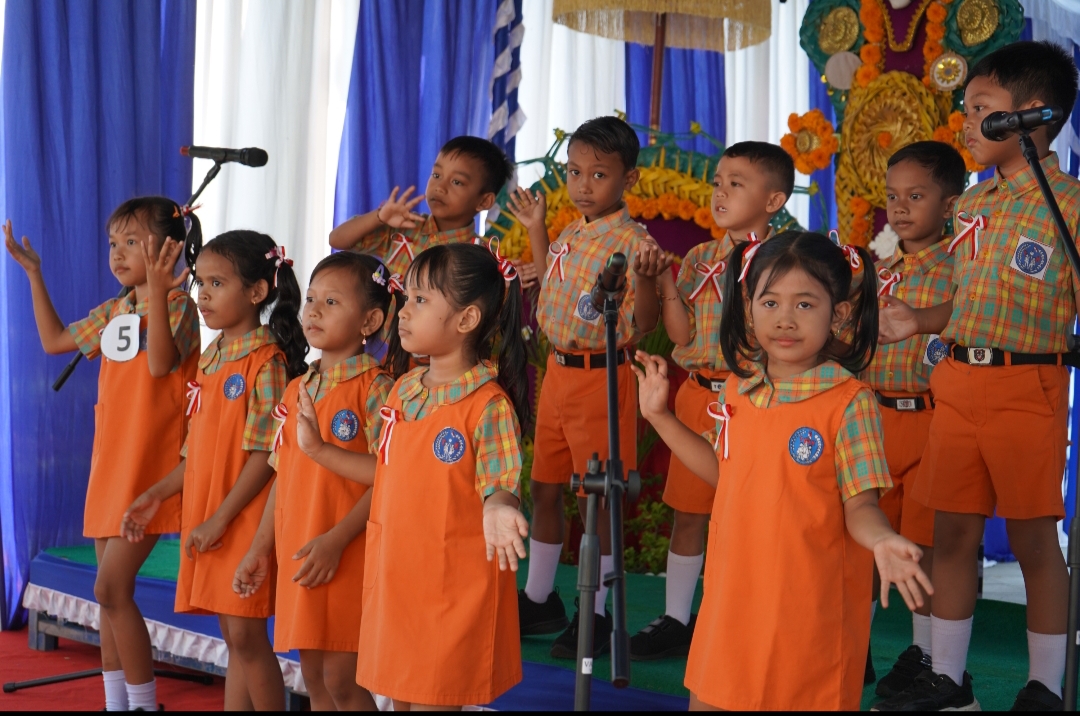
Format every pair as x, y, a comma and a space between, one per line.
846, 427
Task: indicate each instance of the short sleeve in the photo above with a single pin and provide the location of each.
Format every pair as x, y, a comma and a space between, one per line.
377, 394
269, 386
377, 243
87, 332
498, 449
860, 450
684, 283
184, 323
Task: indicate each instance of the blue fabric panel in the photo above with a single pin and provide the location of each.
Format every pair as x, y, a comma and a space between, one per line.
823, 205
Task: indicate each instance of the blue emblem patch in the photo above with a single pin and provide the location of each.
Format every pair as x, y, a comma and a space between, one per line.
1030, 258
806, 446
345, 425
585, 309
449, 445
235, 386
936, 351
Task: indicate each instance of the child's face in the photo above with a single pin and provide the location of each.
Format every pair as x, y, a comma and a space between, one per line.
916, 205
793, 320
335, 318
982, 98
429, 325
223, 300
125, 250
743, 196
596, 181
455, 190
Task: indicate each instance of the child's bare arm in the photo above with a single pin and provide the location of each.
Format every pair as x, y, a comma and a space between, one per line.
255, 566
675, 315
650, 262
505, 529
253, 477
899, 321
358, 467
396, 212
54, 335
161, 353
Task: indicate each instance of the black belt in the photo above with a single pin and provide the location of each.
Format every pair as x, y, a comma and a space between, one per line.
714, 386
997, 357
910, 404
596, 360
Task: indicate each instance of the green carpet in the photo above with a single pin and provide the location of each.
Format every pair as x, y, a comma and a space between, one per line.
998, 657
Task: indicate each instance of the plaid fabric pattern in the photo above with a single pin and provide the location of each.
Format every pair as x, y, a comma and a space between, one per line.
384, 242
927, 280
1003, 298
497, 436
565, 313
183, 321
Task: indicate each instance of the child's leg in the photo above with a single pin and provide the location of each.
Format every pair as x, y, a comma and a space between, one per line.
697, 704
955, 579
261, 672
236, 691
339, 679
311, 666
545, 539
112, 673
686, 557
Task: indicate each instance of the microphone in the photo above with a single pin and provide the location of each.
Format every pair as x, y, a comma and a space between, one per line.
1000, 125
610, 281
252, 156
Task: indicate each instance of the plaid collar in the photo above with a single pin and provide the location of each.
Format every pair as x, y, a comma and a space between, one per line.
595, 229
236, 349
343, 371
430, 228
924, 260
412, 386
1023, 181
797, 387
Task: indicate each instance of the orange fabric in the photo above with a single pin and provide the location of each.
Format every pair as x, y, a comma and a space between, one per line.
778, 548
571, 421
214, 460
997, 439
310, 501
139, 428
905, 440
440, 623
685, 491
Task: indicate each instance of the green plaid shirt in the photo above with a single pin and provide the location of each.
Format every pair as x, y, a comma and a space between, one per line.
386, 243
183, 321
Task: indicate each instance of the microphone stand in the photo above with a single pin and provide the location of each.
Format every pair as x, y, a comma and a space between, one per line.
610, 486
190, 253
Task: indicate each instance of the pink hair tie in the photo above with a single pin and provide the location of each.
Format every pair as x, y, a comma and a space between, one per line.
750, 252
277, 255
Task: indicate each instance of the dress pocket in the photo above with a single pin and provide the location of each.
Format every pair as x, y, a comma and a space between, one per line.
371, 554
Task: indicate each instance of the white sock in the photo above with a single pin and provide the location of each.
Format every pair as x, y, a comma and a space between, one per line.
143, 696
115, 694
543, 561
873, 610
920, 632
1047, 655
950, 639
607, 562
682, 579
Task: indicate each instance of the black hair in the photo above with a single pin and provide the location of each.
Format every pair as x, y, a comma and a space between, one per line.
944, 163
497, 167
165, 219
247, 251
467, 274
372, 279
824, 262
770, 158
609, 135
1032, 70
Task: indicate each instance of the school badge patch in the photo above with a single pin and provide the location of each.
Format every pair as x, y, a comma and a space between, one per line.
1031, 258
806, 446
449, 445
235, 386
585, 310
935, 352
345, 425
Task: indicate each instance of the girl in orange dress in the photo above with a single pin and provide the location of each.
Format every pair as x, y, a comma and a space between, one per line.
226, 478
440, 622
798, 464
312, 514
150, 340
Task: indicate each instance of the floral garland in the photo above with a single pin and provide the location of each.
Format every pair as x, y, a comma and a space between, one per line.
871, 53
952, 134
812, 141
933, 48
862, 221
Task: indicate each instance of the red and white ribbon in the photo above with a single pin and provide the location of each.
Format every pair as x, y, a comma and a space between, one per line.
279, 413
750, 252
194, 396
277, 254
709, 274
969, 232
889, 280
402, 244
722, 413
391, 417
834, 236
852, 255
395, 284
506, 268
557, 251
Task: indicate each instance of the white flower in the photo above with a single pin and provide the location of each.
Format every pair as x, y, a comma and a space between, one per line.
885, 243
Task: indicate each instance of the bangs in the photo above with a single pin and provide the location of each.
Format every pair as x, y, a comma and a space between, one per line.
433, 270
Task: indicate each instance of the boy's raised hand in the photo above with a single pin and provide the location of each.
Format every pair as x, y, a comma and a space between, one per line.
24, 255
397, 212
529, 208
650, 260
896, 320
159, 269
308, 435
897, 561
137, 517
505, 530
653, 384
251, 574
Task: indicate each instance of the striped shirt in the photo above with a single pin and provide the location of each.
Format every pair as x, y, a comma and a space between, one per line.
392, 246
183, 322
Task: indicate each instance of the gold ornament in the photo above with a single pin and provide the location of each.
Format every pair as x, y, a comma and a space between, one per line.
949, 71
839, 30
978, 20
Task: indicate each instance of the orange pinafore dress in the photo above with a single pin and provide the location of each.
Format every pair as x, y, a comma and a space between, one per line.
779, 548
214, 459
139, 429
440, 624
310, 501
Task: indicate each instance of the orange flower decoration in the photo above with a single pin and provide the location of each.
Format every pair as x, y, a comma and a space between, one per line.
944, 134
956, 121
870, 54
650, 209
935, 31
687, 209
859, 206
873, 21
703, 217
811, 146
936, 13
866, 74
794, 123
633, 205
932, 50
884, 139
716, 232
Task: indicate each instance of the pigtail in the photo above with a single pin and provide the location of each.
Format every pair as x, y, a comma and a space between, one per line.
734, 335
284, 321
193, 239
512, 360
862, 327
397, 358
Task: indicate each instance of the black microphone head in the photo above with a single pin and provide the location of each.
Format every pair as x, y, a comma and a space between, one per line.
994, 127
617, 264
253, 157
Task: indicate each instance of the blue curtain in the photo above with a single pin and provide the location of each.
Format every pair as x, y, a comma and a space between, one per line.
97, 99
823, 205
421, 74
693, 91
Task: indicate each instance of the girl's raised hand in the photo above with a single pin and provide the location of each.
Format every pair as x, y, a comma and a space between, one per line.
397, 212
652, 384
321, 558
137, 517
24, 255
308, 435
898, 563
159, 269
529, 208
505, 530
251, 574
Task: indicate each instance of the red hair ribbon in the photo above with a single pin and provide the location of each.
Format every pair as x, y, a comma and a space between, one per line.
185, 209
403, 243
852, 255
279, 413
889, 280
277, 255
709, 273
391, 418
395, 284
194, 396
506, 268
722, 412
557, 255
750, 251
970, 231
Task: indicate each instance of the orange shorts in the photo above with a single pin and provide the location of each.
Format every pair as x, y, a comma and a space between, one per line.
571, 421
685, 491
997, 440
905, 440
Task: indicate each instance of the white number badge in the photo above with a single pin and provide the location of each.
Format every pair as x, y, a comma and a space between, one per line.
120, 339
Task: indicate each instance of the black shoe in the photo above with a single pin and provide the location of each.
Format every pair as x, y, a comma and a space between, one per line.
869, 675
932, 692
565, 646
1036, 697
909, 665
664, 638
546, 618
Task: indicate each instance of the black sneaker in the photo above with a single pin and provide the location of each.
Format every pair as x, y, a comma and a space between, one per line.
565, 646
546, 618
909, 665
664, 638
1036, 697
932, 692
869, 675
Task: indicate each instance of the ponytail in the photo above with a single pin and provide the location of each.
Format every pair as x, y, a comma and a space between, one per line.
512, 360
863, 323
284, 321
734, 336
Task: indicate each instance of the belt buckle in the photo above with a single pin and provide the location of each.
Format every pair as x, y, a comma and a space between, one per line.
560, 358
980, 356
716, 385
906, 404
